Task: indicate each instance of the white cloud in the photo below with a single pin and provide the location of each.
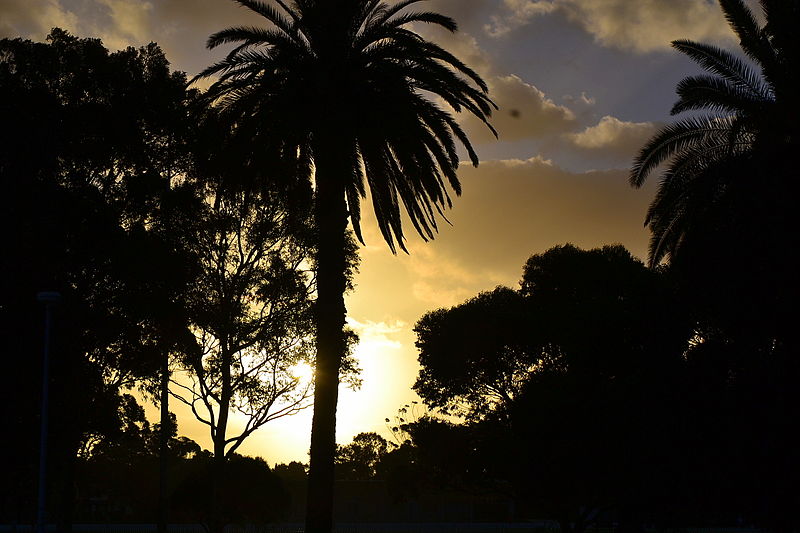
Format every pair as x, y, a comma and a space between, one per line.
638, 25
374, 335
528, 111
614, 137
583, 100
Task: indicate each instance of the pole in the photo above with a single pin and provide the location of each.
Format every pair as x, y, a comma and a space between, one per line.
163, 450
50, 299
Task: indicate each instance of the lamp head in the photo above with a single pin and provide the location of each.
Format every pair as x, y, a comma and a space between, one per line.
48, 297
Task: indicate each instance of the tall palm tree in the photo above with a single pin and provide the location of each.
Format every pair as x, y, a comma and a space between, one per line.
732, 158
340, 93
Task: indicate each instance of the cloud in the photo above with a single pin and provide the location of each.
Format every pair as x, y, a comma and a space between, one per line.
582, 100
125, 23
513, 208
440, 279
614, 137
33, 18
640, 25
470, 18
375, 335
180, 27
525, 112
119, 23
509, 210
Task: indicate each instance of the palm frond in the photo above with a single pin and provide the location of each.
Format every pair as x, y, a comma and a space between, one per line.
404, 152
271, 14
746, 27
675, 138
724, 64
427, 17
391, 10
716, 94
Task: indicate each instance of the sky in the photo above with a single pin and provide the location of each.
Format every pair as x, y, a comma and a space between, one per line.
581, 85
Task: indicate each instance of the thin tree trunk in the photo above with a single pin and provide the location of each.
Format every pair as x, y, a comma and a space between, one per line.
163, 440
219, 462
217, 478
331, 220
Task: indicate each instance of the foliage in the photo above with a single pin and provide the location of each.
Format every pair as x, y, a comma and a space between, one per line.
475, 356
135, 438
319, 67
112, 490
294, 471
359, 459
598, 312
722, 214
250, 306
250, 493
751, 120
592, 341
91, 140
723, 218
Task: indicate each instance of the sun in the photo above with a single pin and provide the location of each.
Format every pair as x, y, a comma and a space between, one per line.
303, 372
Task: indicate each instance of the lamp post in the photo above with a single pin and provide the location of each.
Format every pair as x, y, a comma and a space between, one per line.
50, 300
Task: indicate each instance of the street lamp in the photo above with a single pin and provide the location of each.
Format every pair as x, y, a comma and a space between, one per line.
50, 300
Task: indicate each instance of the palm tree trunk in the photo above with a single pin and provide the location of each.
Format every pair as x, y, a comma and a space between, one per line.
331, 221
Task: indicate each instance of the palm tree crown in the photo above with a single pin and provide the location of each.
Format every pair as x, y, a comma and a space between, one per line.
355, 66
750, 118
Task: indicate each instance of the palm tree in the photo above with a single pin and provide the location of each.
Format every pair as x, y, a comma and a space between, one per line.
339, 93
729, 164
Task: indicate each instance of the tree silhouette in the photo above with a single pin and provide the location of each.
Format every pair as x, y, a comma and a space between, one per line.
475, 356
568, 382
250, 310
249, 307
723, 211
341, 87
359, 459
750, 119
89, 141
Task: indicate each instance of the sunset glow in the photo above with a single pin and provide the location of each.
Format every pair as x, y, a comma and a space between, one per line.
579, 90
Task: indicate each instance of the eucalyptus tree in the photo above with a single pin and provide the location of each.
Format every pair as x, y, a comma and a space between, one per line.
250, 305
250, 311
340, 92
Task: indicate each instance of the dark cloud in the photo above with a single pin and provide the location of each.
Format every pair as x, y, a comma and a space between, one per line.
33, 18
640, 26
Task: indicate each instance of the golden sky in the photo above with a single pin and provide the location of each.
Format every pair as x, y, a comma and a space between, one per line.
581, 85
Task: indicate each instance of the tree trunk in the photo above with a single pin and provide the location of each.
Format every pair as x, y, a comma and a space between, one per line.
331, 221
163, 439
217, 524
218, 463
